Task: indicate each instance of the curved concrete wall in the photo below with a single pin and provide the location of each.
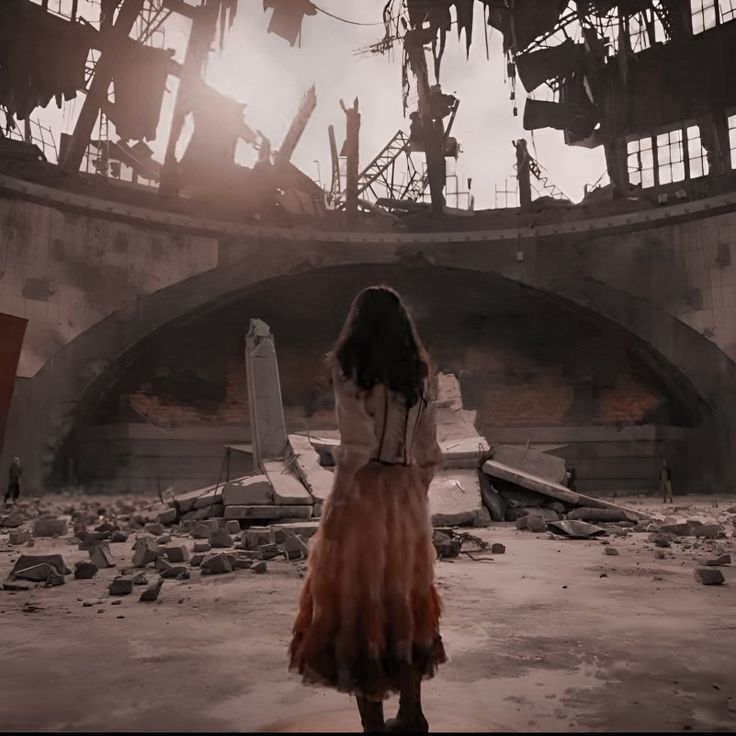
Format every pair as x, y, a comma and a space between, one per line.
665, 276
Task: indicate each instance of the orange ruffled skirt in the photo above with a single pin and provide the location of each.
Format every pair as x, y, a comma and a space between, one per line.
369, 605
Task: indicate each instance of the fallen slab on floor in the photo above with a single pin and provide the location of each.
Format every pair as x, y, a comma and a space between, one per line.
554, 490
455, 498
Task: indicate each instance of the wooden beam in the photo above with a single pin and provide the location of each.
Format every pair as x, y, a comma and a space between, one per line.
98, 89
298, 124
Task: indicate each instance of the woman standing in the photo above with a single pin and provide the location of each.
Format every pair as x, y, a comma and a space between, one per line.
368, 621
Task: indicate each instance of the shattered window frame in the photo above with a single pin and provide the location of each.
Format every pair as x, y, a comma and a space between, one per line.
696, 155
707, 14
641, 155
731, 120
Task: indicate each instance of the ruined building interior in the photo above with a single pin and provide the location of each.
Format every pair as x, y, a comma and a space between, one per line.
192, 193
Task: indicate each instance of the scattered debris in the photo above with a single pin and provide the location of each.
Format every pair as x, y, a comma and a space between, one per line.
220, 538
498, 549
145, 550
612, 551
260, 566
40, 568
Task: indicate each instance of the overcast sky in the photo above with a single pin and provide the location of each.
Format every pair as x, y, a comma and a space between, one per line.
262, 70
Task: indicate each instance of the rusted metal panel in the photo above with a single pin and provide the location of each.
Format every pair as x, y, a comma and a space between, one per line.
12, 330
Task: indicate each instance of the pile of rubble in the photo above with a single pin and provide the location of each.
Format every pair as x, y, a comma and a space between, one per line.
214, 546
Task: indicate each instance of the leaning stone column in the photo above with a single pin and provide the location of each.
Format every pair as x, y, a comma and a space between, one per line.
268, 428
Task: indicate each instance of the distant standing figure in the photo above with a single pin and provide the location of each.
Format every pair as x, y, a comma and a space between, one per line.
14, 474
665, 482
570, 476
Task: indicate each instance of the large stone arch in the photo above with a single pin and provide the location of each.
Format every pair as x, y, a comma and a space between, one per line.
43, 407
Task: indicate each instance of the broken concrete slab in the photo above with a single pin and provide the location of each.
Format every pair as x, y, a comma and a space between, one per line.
303, 529
288, 490
167, 517
263, 513
455, 498
50, 526
724, 559
259, 567
576, 529
465, 452
19, 536
250, 490
531, 461
317, 479
268, 551
268, 428
209, 512
164, 539
185, 502
453, 422
202, 546
553, 490
28, 567
196, 559
151, 594
85, 570
117, 537
709, 576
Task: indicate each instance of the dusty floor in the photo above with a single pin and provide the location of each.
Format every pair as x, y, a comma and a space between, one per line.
552, 635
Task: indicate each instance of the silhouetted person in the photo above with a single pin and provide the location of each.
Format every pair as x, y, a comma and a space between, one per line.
14, 474
665, 482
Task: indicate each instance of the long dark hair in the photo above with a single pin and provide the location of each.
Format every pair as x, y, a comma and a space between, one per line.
379, 344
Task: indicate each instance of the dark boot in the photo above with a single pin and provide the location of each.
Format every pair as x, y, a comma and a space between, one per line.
371, 715
410, 718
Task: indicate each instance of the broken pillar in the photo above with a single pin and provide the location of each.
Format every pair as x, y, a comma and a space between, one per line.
268, 428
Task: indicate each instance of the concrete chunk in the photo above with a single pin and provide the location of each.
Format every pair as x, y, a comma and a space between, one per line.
49, 526
220, 538
216, 564
232, 526
19, 536
145, 550
455, 498
202, 546
288, 490
268, 512
203, 528
85, 570
101, 556
151, 594
177, 553
168, 517
253, 490
259, 567
121, 586
709, 576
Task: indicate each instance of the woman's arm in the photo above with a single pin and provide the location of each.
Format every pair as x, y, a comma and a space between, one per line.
357, 435
427, 452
